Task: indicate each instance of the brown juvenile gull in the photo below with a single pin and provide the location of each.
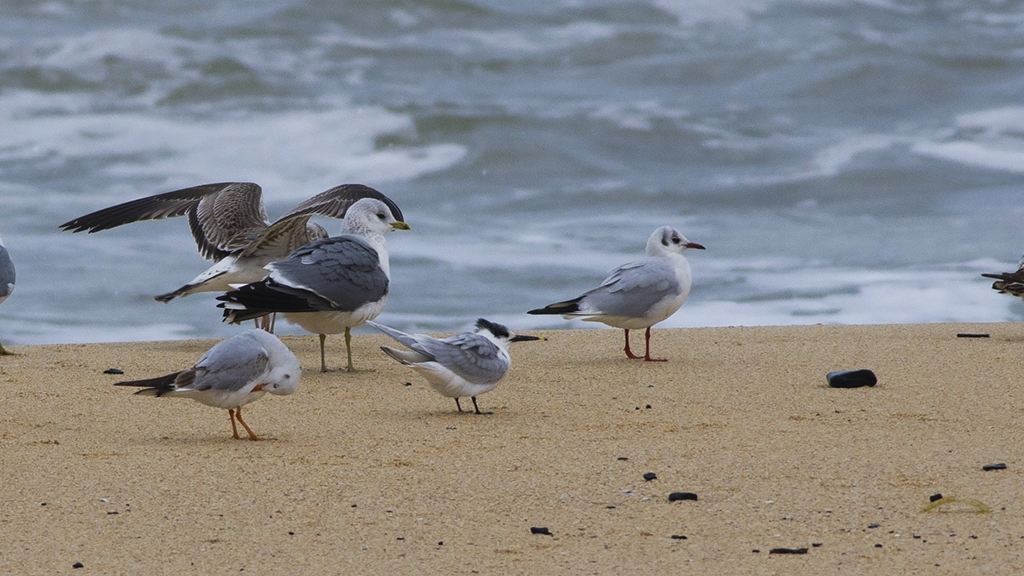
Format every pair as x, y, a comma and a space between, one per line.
230, 227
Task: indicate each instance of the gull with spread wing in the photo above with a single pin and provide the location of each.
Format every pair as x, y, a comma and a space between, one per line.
230, 227
330, 285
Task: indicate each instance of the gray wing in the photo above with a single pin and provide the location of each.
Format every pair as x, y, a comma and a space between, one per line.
338, 273
471, 356
229, 365
223, 217
6, 273
336, 201
634, 288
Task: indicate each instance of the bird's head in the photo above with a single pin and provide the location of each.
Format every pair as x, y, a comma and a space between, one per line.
371, 215
501, 333
668, 239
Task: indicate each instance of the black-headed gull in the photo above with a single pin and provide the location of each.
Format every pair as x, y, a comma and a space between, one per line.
638, 294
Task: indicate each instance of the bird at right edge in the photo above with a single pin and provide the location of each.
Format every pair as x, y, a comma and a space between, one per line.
638, 294
1009, 282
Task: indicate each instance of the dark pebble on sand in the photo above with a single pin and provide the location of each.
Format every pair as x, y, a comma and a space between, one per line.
113, 371
872, 525
851, 378
408, 384
788, 551
967, 335
935, 497
78, 565
988, 467
540, 530
648, 476
681, 496
678, 537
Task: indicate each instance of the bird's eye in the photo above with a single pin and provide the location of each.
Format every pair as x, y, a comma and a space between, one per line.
675, 240
380, 215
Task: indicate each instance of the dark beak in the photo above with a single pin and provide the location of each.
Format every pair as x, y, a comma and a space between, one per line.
694, 245
522, 338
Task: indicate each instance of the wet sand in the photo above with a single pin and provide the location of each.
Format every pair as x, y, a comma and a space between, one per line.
362, 473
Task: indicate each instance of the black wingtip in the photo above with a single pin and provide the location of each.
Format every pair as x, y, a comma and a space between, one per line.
567, 307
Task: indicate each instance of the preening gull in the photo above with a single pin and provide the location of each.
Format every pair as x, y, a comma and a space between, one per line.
467, 364
638, 294
330, 285
230, 375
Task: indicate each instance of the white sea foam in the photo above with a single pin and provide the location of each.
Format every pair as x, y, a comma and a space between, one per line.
694, 12
992, 139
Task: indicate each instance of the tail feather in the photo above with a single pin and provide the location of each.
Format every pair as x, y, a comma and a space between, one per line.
183, 291
261, 298
567, 307
153, 386
406, 356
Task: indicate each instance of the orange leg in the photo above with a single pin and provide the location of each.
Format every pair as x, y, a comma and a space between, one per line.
629, 353
238, 414
647, 354
234, 429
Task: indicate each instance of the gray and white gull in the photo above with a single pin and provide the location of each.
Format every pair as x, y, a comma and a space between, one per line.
638, 294
466, 364
330, 285
230, 375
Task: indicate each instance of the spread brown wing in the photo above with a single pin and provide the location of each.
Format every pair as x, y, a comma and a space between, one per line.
223, 217
336, 201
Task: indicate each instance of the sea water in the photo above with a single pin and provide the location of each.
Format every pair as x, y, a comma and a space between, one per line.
843, 161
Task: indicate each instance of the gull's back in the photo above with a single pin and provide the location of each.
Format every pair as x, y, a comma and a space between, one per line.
473, 357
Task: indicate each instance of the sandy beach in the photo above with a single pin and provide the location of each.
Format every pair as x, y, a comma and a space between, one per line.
363, 473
